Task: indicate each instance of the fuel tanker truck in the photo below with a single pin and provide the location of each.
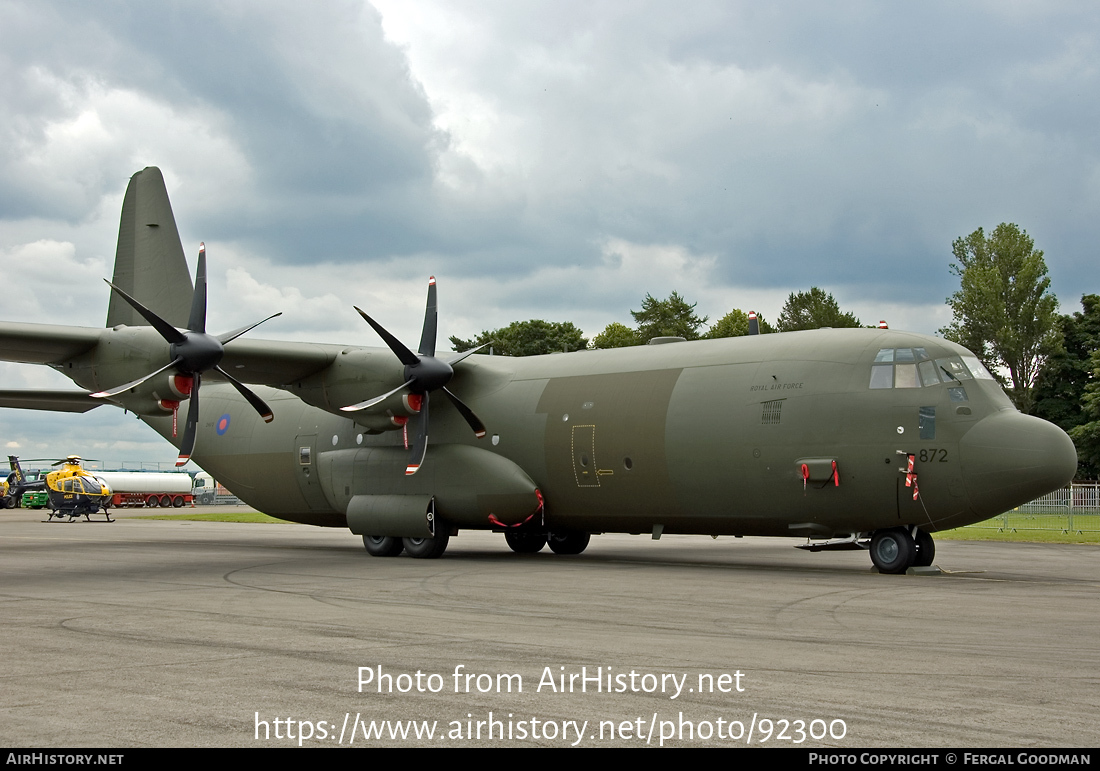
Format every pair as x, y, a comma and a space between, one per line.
148, 488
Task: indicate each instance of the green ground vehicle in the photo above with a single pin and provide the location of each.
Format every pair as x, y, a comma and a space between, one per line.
35, 499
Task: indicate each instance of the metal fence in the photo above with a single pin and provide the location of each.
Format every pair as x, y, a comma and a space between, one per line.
1073, 509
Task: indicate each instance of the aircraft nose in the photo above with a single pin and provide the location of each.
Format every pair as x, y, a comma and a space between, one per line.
1008, 459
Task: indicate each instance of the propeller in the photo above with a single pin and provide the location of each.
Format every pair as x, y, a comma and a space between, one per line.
424, 373
192, 352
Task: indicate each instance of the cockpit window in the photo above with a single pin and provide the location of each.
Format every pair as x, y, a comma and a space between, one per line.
905, 375
928, 374
957, 394
977, 369
882, 376
952, 368
914, 368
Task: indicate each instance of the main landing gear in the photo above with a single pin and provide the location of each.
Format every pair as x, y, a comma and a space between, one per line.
899, 548
418, 548
561, 541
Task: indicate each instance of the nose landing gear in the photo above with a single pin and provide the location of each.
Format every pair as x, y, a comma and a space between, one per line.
897, 549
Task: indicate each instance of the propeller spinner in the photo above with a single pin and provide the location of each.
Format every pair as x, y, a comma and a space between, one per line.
192, 352
424, 373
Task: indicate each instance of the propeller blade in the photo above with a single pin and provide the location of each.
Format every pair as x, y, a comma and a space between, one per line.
466, 412
197, 321
431, 321
257, 403
420, 444
407, 357
464, 354
119, 389
167, 331
375, 400
229, 337
188, 443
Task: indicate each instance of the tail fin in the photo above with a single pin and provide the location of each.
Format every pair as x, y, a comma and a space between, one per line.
149, 261
17, 476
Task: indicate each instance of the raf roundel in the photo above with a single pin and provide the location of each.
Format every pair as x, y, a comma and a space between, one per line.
223, 424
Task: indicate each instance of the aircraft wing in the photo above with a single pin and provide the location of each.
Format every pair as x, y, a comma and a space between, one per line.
45, 343
265, 362
55, 401
274, 363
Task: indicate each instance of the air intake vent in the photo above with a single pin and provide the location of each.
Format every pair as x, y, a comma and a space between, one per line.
772, 412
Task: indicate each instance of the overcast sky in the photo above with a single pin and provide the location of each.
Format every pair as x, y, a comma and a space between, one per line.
553, 160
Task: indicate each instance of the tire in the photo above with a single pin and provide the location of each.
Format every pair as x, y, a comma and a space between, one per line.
525, 541
152, 502
568, 542
893, 550
383, 545
177, 502
926, 550
427, 548
165, 501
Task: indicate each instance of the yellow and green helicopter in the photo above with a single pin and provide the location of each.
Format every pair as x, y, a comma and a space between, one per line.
72, 490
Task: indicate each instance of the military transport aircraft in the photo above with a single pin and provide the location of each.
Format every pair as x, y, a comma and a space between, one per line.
846, 438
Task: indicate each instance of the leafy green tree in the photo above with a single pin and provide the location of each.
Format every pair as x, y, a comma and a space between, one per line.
735, 324
1060, 389
1086, 436
812, 310
673, 317
528, 338
1004, 310
615, 335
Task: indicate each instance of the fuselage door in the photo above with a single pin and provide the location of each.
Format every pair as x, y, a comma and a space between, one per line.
584, 456
308, 471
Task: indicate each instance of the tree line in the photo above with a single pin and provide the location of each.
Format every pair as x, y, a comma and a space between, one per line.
671, 317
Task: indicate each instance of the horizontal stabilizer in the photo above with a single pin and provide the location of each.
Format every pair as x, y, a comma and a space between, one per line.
44, 343
54, 401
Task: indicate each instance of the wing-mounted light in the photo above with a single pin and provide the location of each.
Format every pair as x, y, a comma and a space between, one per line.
423, 374
191, 352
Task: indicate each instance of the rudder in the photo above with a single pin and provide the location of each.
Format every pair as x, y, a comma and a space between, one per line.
149, 261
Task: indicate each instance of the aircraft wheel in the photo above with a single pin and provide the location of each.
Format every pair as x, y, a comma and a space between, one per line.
383, 545
427, 548
525, 542
568, 542
926, 550
893, 550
